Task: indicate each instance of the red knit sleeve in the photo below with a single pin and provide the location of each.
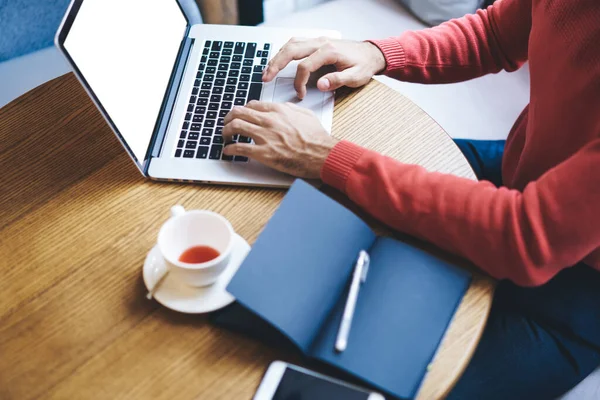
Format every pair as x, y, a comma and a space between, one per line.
524, 236
464, 48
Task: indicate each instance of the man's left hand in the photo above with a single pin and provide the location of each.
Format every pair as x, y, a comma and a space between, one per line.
287, 137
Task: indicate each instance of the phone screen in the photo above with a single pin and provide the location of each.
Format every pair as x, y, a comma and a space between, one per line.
296, 385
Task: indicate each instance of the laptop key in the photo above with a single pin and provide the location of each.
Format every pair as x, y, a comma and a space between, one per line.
197, 82
221, 74
207, 132
231, 81
193, 99
239, 48
246, 70
200, 110
188, 116
214, 54
248, 63
191, 145
225, 59
199, 75
227, 52
190, 108
239, 102
181, 143
202, 102
259, 68
202, 152
201, 67
204, 93
209, 78
245, 139
234, 73
241, 159
263, 61
186, 125
236, 65
218, 90
256, 77
205, 52
203, 59
183, 134
228, 96
219, 82
226, 105
198, 119
211, 114
211, 70
221, 122
230, 89
213, 106
219, 130
243, 85
218, 140
223, 113
237, 58
244, 78
207, 44
216, 98
241, 93
217, 46
213, 62
178, 153
227, 158
196, 127
255, 91
205, 140
188, 154
259, 54
223, 67
209, 123
267, 46
215, 152
228, 45
206, 85
193, 136
250, 50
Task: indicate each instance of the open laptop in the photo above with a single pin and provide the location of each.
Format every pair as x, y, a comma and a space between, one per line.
164, 86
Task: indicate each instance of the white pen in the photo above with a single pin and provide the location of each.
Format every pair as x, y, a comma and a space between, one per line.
360, 276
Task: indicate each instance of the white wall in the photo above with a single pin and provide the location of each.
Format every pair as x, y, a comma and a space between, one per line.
280, 8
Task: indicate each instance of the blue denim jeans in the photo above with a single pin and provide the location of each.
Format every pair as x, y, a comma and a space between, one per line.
538, 342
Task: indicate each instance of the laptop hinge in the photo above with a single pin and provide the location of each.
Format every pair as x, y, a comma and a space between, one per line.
166, 111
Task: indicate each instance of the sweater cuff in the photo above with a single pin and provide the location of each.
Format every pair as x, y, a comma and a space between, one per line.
340, 163
395, 56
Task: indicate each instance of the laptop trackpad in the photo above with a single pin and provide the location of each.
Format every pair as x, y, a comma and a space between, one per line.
285, 93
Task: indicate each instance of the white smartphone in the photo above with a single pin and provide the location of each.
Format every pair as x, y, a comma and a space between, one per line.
285, 381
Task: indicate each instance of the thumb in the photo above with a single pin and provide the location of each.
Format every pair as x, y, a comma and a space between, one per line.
348, 77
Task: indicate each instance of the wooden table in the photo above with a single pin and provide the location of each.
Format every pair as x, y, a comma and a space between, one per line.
77, 220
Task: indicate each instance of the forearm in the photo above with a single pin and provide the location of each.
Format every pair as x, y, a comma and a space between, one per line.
527, 237
464, 48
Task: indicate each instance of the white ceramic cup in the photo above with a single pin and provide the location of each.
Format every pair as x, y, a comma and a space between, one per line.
186, 229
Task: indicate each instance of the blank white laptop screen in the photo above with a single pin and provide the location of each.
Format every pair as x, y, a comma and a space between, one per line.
126, 50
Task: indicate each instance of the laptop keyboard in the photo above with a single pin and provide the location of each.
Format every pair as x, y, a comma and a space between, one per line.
230, 74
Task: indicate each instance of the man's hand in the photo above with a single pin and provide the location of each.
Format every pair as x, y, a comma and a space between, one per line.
287, 137
356, 62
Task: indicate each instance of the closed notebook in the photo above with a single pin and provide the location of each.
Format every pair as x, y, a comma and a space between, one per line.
297, 276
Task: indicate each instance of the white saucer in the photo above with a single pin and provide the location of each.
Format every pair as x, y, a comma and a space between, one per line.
181, 297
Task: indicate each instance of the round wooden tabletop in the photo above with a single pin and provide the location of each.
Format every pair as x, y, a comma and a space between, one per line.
78, 219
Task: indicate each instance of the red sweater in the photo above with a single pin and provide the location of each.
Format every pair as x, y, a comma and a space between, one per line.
547, 218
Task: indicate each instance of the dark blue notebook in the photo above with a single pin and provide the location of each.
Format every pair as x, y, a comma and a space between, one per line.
297, 275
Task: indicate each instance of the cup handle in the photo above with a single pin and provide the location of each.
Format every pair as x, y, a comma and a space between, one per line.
177, 210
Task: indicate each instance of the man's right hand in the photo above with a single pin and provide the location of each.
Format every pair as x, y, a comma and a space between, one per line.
356, 62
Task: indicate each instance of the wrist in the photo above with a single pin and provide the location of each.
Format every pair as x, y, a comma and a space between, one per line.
321, 152
377, 57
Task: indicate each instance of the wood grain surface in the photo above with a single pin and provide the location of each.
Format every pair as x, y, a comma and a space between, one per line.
77, 220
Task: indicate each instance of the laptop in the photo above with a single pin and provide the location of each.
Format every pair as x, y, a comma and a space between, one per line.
164, 85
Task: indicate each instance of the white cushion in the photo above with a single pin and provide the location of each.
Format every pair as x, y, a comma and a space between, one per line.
484, 108
21, 74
